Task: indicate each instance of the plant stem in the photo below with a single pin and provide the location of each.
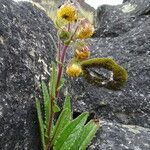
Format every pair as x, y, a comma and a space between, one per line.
50, 123
69, 26
61, 59
58, 51
60, 68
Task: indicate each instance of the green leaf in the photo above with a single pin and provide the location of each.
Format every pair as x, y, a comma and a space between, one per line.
62, 81
62, 122
47, 103
64, 35
56, 108
53, 80
86, 136
70, 133
60, 23
41, 124
67, 105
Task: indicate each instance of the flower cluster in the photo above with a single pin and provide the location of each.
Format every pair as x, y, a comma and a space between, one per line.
72, 32
74, 70
67, 12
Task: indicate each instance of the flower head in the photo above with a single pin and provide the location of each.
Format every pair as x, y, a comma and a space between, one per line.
67, 12
82, 53
85, 30
74, 70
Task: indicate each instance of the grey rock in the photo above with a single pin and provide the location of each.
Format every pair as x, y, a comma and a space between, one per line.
131, 104
26, 51
114, 136
125, 1
128, 43
85, 6
112, 21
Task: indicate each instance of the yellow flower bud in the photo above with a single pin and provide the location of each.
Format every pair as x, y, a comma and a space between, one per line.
67, 12
74, 70
85, 30
83, 53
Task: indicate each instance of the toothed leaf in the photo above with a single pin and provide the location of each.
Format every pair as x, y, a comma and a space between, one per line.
86, 136
64, 118
53, 80
41, 124
67, 105
62, 122
70, 133
47, 103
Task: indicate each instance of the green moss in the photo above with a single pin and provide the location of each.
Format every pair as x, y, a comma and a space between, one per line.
119, 74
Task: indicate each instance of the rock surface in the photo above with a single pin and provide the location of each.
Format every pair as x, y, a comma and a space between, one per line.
113, 21
26, 51
123, 36
131, 49
115, 136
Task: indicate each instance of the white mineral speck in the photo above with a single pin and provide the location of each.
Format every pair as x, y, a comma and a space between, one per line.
1, 111
128, 8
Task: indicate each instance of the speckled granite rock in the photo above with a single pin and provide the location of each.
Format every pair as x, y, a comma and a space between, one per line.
25, 53
112, 21
131, 49
130, 105
113, 136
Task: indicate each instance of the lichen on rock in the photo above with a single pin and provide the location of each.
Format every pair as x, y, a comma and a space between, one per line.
119, 73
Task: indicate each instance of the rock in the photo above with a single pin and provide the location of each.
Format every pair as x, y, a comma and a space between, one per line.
82, 3
26, 51
131, 104
85, 5
125, 1
112, 21
114, 136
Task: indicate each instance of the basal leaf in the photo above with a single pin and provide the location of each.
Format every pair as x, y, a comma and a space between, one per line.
62, 122
64, 118
41, 124
70, 133
47, 103
67, 105
86, 136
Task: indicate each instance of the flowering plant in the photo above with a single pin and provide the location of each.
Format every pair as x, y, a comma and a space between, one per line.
65, 132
